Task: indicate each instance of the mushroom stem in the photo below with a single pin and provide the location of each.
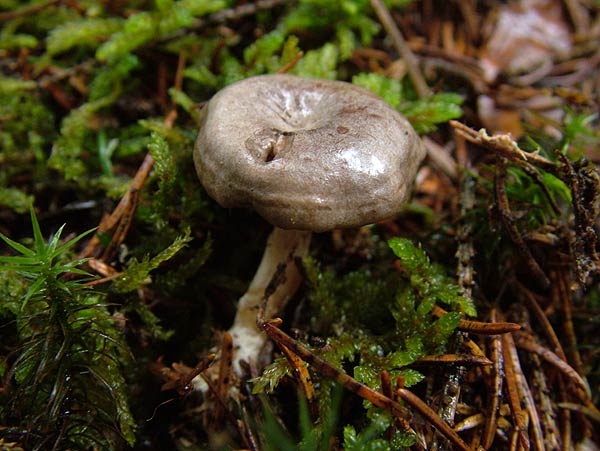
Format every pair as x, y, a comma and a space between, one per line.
282, 247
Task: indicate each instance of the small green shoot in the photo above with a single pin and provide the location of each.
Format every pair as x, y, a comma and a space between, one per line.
66, 387
314, 436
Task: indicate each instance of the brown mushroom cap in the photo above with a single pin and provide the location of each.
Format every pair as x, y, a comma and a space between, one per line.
307, 154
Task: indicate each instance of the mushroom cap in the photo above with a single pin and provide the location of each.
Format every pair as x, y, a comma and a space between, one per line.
306, 154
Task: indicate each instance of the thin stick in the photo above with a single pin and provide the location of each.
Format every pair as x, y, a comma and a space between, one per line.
508, 220
183, 384
544, 322
512, 367
413, 400
301, 372
455, 359
351, 384
480, 327
505, 146
127, 203
290, 64
401, 47
495, 391
528, 344
545, 405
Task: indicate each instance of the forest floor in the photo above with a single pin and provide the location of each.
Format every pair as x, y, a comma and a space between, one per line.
469, 321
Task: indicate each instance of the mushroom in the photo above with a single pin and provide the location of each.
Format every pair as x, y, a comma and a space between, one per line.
309, 156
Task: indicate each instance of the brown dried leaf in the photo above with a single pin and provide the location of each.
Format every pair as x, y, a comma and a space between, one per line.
526, 35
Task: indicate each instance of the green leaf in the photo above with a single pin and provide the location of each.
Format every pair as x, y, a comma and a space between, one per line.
278, 438
15, 199
271, 376
425, 114
319, 63
164, 162
88, 32
143, 27
108, 80
198, 9
137, 30
414, 350
428, 280
412, 258
388, 89
260, 51
38, 238
138, 273
290, 50
75, 138
411, 377
19, 248
11, 85
370, 438
17, 41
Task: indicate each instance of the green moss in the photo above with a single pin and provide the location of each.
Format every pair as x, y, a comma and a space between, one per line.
439, 108
423, 114
69, 365
146, 26
89, 87
339, 16
15, 199
319, 63
137, 273
88, 33
371, 437
380, 324
388, 89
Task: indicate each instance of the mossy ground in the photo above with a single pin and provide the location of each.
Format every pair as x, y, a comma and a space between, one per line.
91, 92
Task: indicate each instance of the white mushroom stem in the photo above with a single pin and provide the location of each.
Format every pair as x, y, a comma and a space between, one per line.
283, 246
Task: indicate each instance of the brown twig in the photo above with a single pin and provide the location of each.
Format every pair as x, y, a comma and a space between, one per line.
440, 158
386, 389
465, 251
527, 343
290, 64
303, 376
584, 182
496, 377
182, 382
105, 270
245, 9
415, 402
585, 410
221, 401
545, 405
562, 294
508, 221
512, 368
455, 359
528, 403
503, 145
351, 384
479, 327
121, 216
579, 16
401, 47
537, 310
